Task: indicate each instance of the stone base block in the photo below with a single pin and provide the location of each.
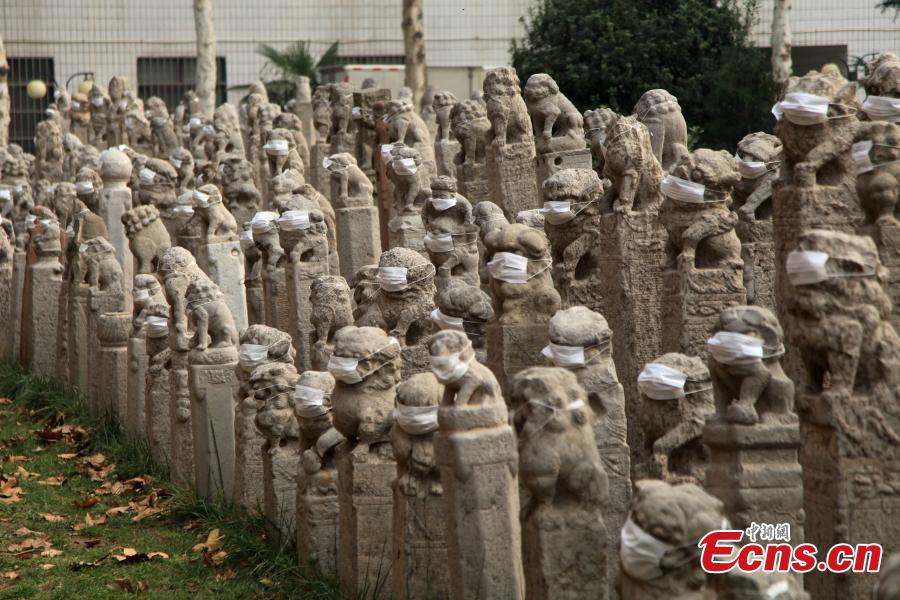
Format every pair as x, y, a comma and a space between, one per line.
300, 278
472, 182
445, 152
280, 487
248, 460
407, 231
318, 175
511, 175
224, 263
156, 406
136, 416
17, 300
420, 552
277, 302
39, 332
181, 435
317, 522
551, 162
359, 243
213, 387
513, 348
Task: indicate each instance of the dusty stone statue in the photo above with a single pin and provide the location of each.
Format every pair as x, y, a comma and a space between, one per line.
217, 224
242, 197
882, 83
566, 483
470, 126
48, 140
403, 171
677, 396
443, 107
165, 140
321, 101
466, 308
630, 165
177, 269
557, 123
506, 110
660, 112
212, 321
660, 559
451, 237
332, 309
341, 136
419, 568
475, 449
406, 126
147, 236
521, 285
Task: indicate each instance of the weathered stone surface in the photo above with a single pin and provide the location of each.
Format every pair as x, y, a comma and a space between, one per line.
659, 111
567, 486
452, 237
475, 449
357, 218
115, 202
111, 372
43, 286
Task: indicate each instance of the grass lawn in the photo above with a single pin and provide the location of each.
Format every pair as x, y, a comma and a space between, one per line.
85, 514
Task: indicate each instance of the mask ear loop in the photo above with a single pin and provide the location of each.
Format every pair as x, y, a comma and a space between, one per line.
536, 273
554, 411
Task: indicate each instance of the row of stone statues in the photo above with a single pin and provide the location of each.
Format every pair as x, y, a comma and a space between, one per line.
337, 309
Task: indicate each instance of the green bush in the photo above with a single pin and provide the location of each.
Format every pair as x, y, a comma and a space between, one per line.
609, 52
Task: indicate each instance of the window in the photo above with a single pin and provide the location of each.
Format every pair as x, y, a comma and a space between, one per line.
27, 113
169, 78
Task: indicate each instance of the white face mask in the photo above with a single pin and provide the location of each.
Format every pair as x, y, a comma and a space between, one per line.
309, 402
557, 212
157, 327
683, 190
209, 130
7, 195
294, 220
386, 152
277, 147
30, 220
97, 101
251, 356
641, 553
76, 105
195, 122
392, 279
570, 357
442, 204
446, 321
346, 368
247, 236
146, 175
512, 268
356, 112
263, 221
70, 230
449, 368
751, 169
438, 242
327, 164
142, 295
802, 109
175, 163
405, 166
862, 159
416, 420
200, 199
123, 147
84, 187
774, 591
882, 108
183, 210
730, 348
660, 382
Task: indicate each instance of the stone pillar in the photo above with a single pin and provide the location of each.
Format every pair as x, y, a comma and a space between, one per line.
213, 384
223, 262
115, 201
886, 233
181, 435
513, 348
138, 363
475, 449
847, 404
407, 231
101, 303
41, 304
359, 243
419, 568
7, 307
77, 335
758, 253
157, 398
280, 485
303, 108
445, 152
111, 373
318, 175
472, 179
694, 299
549, 163
511, 177
564, 535
277, 301
17, 299
300, 277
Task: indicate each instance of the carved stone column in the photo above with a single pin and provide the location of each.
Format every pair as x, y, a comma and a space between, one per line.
224, 263
157, 395
115, 201
112, 369
512, 177
41, 304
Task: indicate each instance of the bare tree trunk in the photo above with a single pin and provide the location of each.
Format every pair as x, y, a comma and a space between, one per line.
414, 47
781, 41
4, 97
206, 56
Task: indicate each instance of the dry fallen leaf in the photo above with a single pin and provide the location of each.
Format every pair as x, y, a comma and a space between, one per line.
12, 575
29, 547
122, 584
67, 455
117, 510
5, 401
47, 566
25, 473
56, 480
218, 558
267, 582
86, 503
51, 518
23, 531
142, 587
213, 542
229, 574
89, 522
51, 552
9, 491
17, 458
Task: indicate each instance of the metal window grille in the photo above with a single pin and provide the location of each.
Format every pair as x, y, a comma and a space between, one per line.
170, 77
26, 113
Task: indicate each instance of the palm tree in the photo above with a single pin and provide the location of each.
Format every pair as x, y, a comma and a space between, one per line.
285, 67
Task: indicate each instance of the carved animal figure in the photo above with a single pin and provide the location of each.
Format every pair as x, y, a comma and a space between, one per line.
178, 269
557, 123
321, 103
753, 194
470, 126
415, 453
818, 153
405, 125
558, 460
147, 235
273, 386
506, 109
462, 260
212, 319
879, 188
660, 112
701, 234
596, 122
405, 314
348, 181
238, 187
104, 273
443, 107
536, 299
673, 428
331, 310
677, 516
478, 386
164, 138
629, 163
842, 328
883, 76
341, 95
469, 303
217, 222
362, 410
408, 196
756, 391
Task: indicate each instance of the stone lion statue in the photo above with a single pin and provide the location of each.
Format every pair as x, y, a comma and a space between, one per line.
557, 123
660, 112
147, 235
506, 110
213, 322
443, 104
470, 126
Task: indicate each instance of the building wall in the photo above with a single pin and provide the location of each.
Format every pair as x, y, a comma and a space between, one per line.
107, 36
